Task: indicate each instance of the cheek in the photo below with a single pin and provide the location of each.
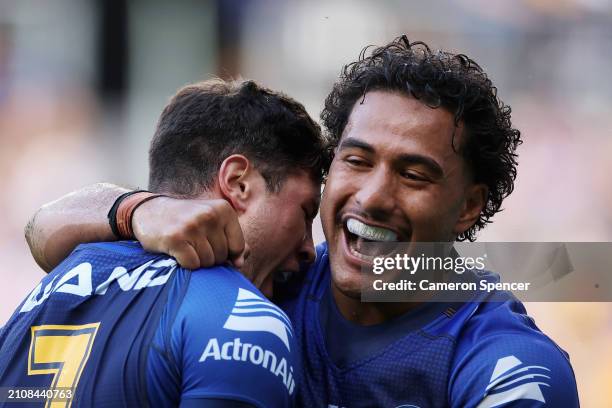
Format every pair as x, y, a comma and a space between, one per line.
326, 203
336, 179
338, 190
328, 211
420, 207
434, 201
431, 214
289, 226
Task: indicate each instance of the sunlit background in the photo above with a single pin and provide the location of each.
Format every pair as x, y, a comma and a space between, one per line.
83, 82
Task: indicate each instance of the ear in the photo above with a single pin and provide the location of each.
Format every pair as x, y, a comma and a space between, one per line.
235, 182
474, 201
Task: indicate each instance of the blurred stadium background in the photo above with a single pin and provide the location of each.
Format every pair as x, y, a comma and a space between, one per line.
82, 83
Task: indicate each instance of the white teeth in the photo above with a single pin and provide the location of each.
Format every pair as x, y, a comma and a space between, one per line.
369, 232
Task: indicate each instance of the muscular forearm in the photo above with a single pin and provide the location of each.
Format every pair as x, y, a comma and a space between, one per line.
58, 227
197, 232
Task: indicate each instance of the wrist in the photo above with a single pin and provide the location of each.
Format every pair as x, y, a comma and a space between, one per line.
121, 213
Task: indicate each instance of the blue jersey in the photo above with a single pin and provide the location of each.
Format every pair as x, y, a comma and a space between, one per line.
467, 355
117, 326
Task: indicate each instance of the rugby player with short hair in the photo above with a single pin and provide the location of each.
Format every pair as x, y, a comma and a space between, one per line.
424, 151
114, 325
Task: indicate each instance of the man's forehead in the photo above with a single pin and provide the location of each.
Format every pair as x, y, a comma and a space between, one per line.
396, 111
395, 121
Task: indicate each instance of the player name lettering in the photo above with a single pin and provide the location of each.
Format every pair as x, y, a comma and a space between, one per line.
238, 351
78, 281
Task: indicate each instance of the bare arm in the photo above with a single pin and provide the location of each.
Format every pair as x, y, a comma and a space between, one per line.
197, 232
61, 225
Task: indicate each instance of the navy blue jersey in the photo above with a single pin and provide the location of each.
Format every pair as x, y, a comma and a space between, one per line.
122, 327
477, 354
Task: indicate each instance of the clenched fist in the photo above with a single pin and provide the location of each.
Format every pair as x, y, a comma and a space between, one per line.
197, 233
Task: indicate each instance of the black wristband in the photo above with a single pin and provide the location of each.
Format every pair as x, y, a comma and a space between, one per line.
112, 214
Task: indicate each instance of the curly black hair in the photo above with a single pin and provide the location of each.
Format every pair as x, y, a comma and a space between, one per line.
439, 79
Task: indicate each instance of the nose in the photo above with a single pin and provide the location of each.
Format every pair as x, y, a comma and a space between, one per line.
307, 252
376, 193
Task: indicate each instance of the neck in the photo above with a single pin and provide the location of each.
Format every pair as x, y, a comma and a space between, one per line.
369, 313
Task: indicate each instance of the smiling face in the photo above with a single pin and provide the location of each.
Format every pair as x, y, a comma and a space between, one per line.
395, 177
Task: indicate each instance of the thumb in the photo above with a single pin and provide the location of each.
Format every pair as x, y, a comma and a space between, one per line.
239, 259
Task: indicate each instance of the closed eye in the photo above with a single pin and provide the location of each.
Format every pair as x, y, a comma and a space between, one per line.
356, 161
411, 175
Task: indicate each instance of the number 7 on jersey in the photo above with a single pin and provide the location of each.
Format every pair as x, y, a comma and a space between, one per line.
61, 350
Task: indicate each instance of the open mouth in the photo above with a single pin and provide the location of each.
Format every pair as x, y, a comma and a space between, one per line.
366, 241
283, 276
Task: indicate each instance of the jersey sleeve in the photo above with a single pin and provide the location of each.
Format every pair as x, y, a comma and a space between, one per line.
513, 370
226, 342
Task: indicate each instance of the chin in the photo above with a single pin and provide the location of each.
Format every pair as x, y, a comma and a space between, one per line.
349, 284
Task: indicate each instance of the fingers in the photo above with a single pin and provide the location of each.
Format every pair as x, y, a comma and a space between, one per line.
205, 253
185, 255
198, 233
239, 260
217, 252
236, 246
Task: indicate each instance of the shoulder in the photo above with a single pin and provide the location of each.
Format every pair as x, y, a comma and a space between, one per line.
128, 254
320, 268
321, 249
501, 355
211, 294
129, 248
226, 333
221, 295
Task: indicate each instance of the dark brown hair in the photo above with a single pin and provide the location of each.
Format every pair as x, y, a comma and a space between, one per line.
208, 121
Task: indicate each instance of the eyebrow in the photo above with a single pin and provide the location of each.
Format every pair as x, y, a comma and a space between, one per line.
404, 158
351, 142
